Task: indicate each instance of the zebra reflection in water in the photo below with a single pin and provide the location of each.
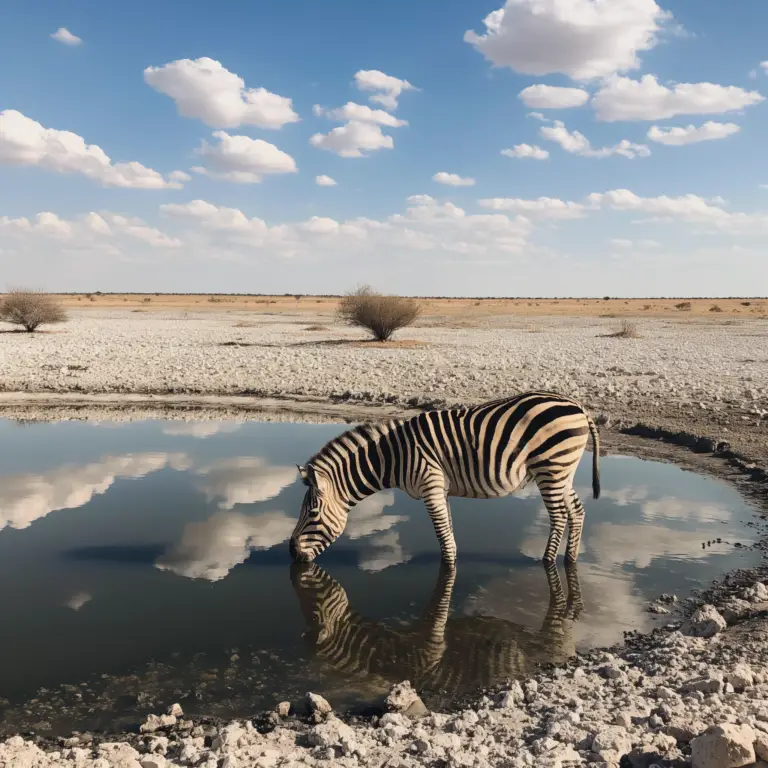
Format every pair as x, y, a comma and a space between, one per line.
439, 652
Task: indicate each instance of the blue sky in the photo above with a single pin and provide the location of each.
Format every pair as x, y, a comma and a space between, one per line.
676, 209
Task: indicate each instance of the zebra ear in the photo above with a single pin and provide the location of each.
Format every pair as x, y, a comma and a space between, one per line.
304, 474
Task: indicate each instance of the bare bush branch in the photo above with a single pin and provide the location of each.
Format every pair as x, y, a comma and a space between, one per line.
30, 309
381, 315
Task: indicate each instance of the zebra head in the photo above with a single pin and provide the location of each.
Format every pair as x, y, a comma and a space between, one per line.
323, 516
323, 601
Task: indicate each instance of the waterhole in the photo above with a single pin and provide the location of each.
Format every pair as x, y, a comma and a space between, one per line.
146, 563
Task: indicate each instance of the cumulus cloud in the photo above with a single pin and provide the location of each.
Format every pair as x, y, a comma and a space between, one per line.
526, 151
541, 208
242, 159
204, 89
622, 98
325, 181
210, 549
243, 480
386, 89
25, 142
583, 39
578, 144
354, 139
92, 228
63, 35
201, 429
30, 497
78, 600
361, 113
453, 179
691, 134
551, 97
179, 176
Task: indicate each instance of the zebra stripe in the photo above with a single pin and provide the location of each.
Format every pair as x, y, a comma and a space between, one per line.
484, 451
439, 652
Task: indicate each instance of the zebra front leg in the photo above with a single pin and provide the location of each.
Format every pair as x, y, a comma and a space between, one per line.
575, 600
553, 494
575, 526
440, 514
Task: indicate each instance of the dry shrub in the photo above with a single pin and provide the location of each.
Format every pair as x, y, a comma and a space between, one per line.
31, 309
381, 315
627, 330
684, 306
746, 303
715, 308
316, 328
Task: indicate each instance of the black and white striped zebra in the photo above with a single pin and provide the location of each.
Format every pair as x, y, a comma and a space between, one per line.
482, 451
438, 652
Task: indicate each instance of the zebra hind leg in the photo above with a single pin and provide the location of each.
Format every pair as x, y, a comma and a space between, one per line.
553, 494
575, 526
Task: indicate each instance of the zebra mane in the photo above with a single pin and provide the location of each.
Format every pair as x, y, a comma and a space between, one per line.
366, 430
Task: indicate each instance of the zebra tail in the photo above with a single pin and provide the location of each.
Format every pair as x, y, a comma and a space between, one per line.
595, 458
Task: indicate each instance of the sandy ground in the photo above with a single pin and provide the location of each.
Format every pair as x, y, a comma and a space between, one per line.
699, 380
467, 309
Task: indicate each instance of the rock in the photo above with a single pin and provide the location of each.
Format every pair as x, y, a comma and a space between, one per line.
333, 733
684, 729
156, 722
176, 710
705, 622
735, 609
761, 745
703, 685
155, 761
611, 672
612, 738
158, 745
740, 677
318, 705
402, 698
757, 593
623, 719
119, 755
723, 746
284, 708
230, 737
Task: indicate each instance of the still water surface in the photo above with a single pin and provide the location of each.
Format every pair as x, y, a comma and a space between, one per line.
144, 563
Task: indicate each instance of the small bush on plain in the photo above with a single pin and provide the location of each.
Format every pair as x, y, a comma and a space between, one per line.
627, 330
684, 306
31, 309
381, 315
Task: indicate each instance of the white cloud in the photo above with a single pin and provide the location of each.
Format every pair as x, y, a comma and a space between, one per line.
324, 181
621, 243
622, 98
542, 208
764, 66
63, 35
29, 497
368, 516
242, 159
201, 429
204, 89
210, 549
361, 113
453, 179
387, 89
87, 231
179, 176
551, 97
244, 480
78, 600
583, 39
691, 134
578, 144
25, 142
320, 225
526, 151
353, 139
217, 217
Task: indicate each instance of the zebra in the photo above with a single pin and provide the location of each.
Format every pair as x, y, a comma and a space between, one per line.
482, 451
438, 652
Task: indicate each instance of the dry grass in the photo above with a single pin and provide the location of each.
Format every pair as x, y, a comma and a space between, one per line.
245, 324
715, 308
465, 309
316, 328
381, 315
31, 309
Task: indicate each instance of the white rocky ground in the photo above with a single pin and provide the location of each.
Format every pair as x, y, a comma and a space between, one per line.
688, 364
692, 694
